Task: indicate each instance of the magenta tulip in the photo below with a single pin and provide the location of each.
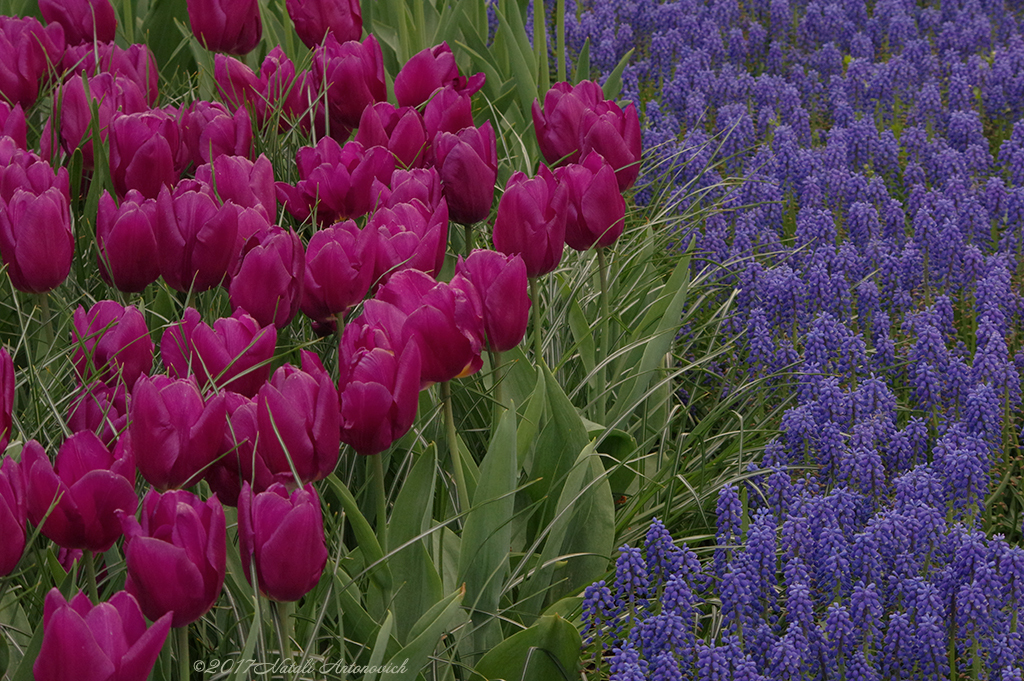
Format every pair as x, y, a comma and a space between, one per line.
20, 169
282, 536
428, 70
279, 92
112, 344
144, 151
36, 240
400, 131
268, 284
237, 459
97, 642
500, 282
468, 165
299, 422
83, 491
29, 53
209, 130
410, 236
315, 19
449, 110
596, 210
128, 258
6, 397
354, 75
233, 355
232, 26
415, 184
196, 238
244, 183
339, 270
136, 62
13, 124
176, 555
174, 432
100, 409
379, 382
531, 220
13, 516
83, 21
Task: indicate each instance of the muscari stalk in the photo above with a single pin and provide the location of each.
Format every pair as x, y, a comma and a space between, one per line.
184, 668
90, 575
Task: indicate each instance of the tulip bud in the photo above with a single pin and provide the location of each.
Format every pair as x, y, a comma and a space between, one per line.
176, 556
237, 459
144, 149
500, 282
422, 184
209, 131
112, 344
428, 70
136, 63
468, 165
268, 284
6, 398
354, 74
596, 209
237, 85
244, 183
87, 487
449, 110
110, 94
21, 169
36, 240
28, 54
299, 422
12, 516
126, 236
379, 382
400, 131
232, 26
196, 238
410, 236
282, 537
101, 409
82, 20
442, 319
110, 639
13, 124
615, 135
531, 221
339, 269
314, 19
233, 355
174, 432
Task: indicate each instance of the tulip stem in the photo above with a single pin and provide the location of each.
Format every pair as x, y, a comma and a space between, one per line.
499, 392
339, 324
469, 239
44, 314
283, 614
184, 668
462, 492
377, 473
90, 575
602, 347
538, 321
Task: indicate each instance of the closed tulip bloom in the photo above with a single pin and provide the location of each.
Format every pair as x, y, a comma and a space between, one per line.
144, 149
135, 62
12, 516
97, 642
112, 343
36, 240
90, 487
282, 536
196, 238
174, 432
20, 169
109, 92
411, 236
299, 422
354, 74
28, 54
449, 110
209, 130
232, 355
101, 409
428, 70
614, 133
237, 459
336, 182
269, 282
596, 210
237, 85
232, 26
243, 182
468, 164
315, 19
176, 555
279, 91
82, 20
401, 131
443, 320
13, 123
379, 383
6, 397
500, 282
531, 221
415, 184
339, 269
128, 258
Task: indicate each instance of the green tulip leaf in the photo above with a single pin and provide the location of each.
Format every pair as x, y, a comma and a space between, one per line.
547, 651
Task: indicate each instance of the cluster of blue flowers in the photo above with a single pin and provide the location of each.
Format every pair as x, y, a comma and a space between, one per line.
869, 157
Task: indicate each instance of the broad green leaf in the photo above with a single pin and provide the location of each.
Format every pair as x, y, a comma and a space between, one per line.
613, 84
547, 651
620, 447
540, 47
166, 44
371, 548
521, 60
583, 63
581, 333
531, 421
426, 634
380, 645
591, 534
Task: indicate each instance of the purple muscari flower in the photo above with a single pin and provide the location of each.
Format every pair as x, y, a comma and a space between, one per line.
600, 610
626, 665
737, 598
729, 511
631, 579
866, 612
